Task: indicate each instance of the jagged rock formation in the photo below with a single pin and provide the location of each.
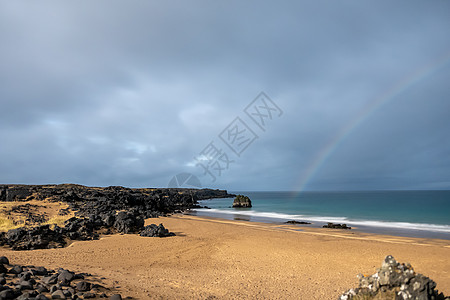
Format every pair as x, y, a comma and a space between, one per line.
336, 226
109, 210
242, 201
154, 230
97, 199
394, 281
30, 282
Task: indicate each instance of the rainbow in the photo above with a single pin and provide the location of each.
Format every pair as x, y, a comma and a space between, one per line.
401, 86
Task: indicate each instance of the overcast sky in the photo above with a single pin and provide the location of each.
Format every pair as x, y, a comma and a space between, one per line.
132, 93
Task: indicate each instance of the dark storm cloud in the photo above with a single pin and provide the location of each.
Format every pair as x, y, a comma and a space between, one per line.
114, 93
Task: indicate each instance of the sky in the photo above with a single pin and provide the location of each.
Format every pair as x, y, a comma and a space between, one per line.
238, 95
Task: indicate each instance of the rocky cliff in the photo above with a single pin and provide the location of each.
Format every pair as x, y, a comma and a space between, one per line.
96, 209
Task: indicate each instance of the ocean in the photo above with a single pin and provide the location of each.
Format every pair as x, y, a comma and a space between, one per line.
404, 213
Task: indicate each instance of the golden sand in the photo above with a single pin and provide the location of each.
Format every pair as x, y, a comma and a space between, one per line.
214, 258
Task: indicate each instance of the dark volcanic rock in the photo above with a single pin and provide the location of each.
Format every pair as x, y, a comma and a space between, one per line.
83, 286
3, 269
29, 212
27, 283
17, 193
297, 222
40, 237
394, 281
98, 210
126, 222
58, 294
2, 193
242, 201
7, 294
88, 295
204, 194
39, 271
336, 226
154, 230
81, 228
16, 270
108, 219
4, 260
65, 277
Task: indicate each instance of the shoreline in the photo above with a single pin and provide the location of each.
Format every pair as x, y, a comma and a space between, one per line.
319, 231
226, 259
399, 229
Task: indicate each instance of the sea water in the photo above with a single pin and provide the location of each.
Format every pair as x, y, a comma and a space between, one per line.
404, 213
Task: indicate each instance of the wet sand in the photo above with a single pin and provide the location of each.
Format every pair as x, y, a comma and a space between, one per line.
240, 260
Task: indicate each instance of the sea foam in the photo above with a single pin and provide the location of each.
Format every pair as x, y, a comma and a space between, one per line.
352, 222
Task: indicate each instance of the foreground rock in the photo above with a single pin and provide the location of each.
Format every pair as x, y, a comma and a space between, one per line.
30, 282
394, 281
242, 201
336, 226
41, 237
154, 230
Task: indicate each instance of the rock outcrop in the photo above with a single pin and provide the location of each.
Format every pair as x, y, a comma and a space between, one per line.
98, 210
394, 281
242, 201
297, 222
41, 237
336, 226
154, 230
30, 282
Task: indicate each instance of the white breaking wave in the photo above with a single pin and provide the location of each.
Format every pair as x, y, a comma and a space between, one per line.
371, 223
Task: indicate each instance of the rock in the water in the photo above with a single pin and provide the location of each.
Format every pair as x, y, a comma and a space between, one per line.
242, 201
153, 230
394, 281
297, 222
336, 226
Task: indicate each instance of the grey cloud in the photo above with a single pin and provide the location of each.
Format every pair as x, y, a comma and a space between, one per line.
116, 93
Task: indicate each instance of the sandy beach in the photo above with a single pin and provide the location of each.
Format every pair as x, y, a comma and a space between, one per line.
215, 258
